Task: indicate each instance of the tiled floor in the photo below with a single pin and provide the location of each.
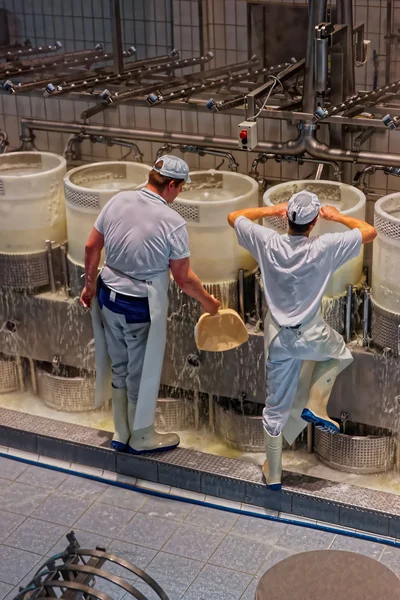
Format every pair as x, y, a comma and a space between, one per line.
193, 552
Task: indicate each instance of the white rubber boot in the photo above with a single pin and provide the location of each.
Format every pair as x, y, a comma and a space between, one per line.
120, 414
324, 376
272, 467
148, 440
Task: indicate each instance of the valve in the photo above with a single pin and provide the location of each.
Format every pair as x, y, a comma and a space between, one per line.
9, 86
106, 96
390, 122
211, 104
153, 98
320, 113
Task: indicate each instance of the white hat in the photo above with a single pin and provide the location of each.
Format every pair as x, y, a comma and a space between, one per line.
303, 207
173, 167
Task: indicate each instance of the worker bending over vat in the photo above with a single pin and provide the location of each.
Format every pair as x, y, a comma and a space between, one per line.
296, 269
143, 239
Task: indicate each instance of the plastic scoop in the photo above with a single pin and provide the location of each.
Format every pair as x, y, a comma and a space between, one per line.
220, 332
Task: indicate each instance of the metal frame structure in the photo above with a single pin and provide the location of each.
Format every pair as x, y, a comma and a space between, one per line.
72, 574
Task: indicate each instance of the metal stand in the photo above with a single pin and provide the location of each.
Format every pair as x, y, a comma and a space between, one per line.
75, 577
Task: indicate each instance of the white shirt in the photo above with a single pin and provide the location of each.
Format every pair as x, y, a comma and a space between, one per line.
296, 269
141, 235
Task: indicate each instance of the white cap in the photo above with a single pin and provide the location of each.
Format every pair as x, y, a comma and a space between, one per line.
303, 207
173, 167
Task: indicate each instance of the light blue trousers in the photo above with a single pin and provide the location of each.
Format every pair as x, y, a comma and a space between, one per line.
316, 341
126, 346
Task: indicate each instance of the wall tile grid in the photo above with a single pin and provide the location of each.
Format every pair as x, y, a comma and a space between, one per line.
154, 27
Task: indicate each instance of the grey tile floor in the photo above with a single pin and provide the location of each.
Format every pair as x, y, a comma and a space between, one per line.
193, 552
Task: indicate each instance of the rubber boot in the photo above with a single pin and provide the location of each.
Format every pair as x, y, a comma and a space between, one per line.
120, 413
322, 381
148, 440
272, 467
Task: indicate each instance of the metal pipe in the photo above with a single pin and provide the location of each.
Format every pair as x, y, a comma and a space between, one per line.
345, 17
201, 151
319, 150
360, 177
305, 142
310, 438
367, 304
349, 302
64, 265
241, 294
50, 266
33, 376
389, 33
3, 141
211, 415
20, 373
316, 15
292, 147
116, 23
257, 302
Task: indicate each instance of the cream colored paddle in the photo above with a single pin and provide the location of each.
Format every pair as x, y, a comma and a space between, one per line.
220, 332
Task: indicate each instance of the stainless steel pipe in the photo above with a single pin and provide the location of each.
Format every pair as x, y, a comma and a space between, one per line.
305, 142
349, 303
241, 294
316, 15
50, 266
367, 305
345, 17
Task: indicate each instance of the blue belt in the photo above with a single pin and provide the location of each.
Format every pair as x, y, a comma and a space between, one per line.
135, 309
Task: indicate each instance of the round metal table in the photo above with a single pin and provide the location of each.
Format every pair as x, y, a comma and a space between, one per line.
328, 575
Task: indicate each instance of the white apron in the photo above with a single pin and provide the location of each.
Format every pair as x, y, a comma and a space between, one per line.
295, 423
154, 354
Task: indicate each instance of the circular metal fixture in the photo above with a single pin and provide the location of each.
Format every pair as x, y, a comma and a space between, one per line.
373, 452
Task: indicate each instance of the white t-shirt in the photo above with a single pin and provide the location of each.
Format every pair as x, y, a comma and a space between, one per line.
296, 269
141, 235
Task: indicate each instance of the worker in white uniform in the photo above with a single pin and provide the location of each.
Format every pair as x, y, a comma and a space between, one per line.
296, 269
143, 239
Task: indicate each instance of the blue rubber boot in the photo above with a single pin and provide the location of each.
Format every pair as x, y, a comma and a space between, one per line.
323, 379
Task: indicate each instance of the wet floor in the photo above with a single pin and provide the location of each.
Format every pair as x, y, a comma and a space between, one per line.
193, 552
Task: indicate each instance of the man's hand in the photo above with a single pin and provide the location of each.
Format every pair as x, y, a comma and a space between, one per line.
329, 213
87, 296
281, 209
211, 305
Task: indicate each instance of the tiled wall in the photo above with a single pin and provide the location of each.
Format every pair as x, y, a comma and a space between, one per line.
154, 27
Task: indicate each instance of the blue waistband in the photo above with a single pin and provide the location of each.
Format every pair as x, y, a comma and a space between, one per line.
135, 309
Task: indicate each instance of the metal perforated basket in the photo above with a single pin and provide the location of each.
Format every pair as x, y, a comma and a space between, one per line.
24, 271
373, 453
385, 328
69, 392
244, 432
174, 414
8, 375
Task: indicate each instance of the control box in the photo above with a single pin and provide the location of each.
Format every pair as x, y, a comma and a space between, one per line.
247, 135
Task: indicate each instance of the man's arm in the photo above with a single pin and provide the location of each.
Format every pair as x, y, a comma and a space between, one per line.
191, 285
254, 214
368, 232
93, 249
